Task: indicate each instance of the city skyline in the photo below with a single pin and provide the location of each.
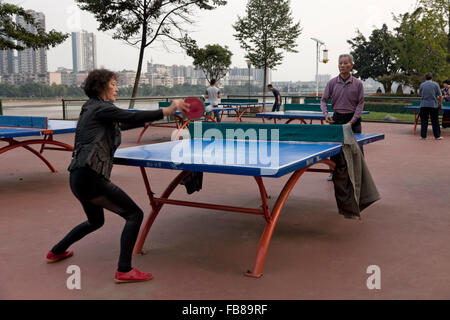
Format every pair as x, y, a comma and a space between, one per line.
84, 51
32, 60
330, 21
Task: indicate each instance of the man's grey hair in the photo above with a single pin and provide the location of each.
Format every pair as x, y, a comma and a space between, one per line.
348, 56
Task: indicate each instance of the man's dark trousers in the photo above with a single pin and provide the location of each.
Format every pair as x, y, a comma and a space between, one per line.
433, 113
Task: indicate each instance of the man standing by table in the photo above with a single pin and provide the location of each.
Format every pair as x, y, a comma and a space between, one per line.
347, 94
430, 103
277, 95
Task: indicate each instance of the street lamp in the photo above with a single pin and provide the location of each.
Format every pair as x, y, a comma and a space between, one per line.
319, 44
249, 65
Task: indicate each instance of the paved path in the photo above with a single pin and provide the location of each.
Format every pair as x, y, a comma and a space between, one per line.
406, 233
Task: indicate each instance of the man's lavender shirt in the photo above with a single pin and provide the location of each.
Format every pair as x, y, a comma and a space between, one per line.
347, 97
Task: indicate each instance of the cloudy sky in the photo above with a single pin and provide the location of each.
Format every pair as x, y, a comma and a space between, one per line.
331, 21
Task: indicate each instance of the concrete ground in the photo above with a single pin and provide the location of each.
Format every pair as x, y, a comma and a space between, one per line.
201, 254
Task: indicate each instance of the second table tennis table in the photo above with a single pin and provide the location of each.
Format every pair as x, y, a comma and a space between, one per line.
181, 122
243, 107
416, 109
293, 115
13, 127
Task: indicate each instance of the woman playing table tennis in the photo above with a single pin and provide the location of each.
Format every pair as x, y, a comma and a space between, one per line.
96, 139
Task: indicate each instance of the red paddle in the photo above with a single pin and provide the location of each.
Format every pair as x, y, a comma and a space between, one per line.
196, 108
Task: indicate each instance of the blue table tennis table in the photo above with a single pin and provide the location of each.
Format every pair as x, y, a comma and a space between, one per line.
243, 107
416, 109
240, 149
12, 127
181, 122
293, 115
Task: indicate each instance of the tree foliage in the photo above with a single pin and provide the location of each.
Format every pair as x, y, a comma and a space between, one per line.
10, 31
141, 22
214, 60
375, 57
39, 90
421, 45
266, 31
440, 9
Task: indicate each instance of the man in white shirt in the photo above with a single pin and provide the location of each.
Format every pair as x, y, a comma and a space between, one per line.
213, 95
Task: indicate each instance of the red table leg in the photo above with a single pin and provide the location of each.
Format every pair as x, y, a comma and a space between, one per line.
270, 217
26, 145
156, 208
147, 125
256, 272
416, 120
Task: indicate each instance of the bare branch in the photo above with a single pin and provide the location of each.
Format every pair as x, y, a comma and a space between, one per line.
162, 21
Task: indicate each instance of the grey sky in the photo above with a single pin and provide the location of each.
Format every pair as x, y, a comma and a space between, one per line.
332, 21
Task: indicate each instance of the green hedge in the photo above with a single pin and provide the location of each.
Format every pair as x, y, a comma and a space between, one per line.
392, 108
387, 108
239, 100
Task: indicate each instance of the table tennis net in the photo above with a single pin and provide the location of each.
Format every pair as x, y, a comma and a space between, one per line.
304, 107
267, 132
24, 122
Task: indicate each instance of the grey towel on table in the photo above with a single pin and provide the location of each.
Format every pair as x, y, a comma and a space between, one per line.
354, 187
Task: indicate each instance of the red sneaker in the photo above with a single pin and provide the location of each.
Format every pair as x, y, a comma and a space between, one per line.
132, 276
51, 257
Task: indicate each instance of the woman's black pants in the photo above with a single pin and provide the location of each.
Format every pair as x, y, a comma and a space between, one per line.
95, 194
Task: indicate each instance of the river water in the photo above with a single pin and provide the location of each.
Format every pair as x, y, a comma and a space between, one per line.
55, 111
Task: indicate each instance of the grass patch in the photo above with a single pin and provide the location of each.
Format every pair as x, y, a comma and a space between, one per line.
379, 116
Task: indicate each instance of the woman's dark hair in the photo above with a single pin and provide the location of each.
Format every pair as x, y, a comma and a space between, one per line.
447, 82
97, 82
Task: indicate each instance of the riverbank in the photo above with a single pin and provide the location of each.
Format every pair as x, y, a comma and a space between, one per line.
20, 103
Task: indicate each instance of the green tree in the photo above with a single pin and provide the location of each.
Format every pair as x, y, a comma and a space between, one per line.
214, 60
266, 30
10, 31
421, 44
440, 10
141, 22
375, 57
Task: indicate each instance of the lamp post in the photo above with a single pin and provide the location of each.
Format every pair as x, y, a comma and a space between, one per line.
319, 44
249, 65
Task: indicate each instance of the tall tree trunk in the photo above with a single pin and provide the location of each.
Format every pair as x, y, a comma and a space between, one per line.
387, 85
264, 87
139, 68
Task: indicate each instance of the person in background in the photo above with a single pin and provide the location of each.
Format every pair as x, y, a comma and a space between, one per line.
213, 95
446, 98
430, 103
277, 95
96, 139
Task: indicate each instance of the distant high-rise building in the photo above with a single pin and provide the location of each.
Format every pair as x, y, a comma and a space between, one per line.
323, 78
7, 62
31, 60
84, 51
240, 76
